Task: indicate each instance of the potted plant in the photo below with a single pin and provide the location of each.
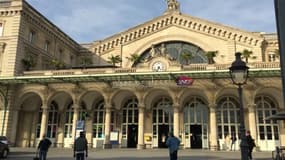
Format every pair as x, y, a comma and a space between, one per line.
211, 55
57, 64
29, 63
85, 61
134, 58
114, 59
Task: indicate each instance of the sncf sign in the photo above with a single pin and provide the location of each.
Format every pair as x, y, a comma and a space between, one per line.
184, 81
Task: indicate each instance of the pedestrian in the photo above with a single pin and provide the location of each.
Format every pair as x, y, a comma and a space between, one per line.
234, 139
251, 144
173, 144
43, 147
80, 150
228, 142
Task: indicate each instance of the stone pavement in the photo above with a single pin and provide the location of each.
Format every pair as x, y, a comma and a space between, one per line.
133, 154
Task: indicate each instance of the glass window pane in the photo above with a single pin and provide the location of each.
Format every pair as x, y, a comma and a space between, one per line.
220, 132
276, 133
232, 116
225, 116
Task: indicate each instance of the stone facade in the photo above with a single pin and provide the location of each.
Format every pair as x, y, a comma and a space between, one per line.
49, 82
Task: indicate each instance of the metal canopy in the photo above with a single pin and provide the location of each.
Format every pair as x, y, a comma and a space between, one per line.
137, 76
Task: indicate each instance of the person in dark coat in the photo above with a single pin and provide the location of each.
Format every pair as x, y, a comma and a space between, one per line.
80, 147
43, 147
173, 144
251, 144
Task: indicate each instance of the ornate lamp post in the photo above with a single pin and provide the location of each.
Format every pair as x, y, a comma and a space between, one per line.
239, 75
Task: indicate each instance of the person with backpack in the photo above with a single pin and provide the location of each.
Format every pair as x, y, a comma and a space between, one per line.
43, 147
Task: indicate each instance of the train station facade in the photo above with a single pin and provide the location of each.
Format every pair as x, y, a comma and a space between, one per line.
169, 74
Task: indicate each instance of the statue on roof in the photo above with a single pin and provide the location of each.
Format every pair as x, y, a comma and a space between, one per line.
173, 5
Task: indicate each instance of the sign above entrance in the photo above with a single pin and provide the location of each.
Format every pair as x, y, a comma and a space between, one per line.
184, 81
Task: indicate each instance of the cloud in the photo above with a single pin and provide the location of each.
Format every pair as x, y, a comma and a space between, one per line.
89, 20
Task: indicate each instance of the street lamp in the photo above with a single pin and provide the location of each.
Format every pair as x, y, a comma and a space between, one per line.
239, 75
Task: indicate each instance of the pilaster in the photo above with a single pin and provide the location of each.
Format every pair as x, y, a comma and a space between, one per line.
107, 143
44, 120
141, 144
213, 129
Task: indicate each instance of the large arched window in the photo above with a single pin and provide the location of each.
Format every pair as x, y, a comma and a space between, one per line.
52, 120
267, 129
228, 115
68, 121
130, 114
175, 50
196, 123
98, 120
51, 123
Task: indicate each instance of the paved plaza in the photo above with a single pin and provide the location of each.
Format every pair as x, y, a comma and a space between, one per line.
133, 154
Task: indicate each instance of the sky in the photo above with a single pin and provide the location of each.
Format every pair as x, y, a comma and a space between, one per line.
86, 21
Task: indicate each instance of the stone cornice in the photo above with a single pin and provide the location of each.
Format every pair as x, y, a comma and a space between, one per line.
188, 22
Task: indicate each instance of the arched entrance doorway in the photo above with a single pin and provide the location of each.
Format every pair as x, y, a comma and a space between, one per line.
162, 118
130, 123
196, 123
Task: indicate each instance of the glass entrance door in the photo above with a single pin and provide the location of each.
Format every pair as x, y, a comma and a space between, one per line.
162, 116
196, 124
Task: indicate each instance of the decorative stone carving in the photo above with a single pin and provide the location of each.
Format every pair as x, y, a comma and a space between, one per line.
173, 5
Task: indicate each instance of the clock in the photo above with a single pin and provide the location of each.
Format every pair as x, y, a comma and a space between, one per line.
158, 66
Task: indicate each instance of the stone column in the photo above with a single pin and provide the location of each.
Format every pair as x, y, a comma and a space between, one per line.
176, 120
89, 127
141, 144
252, 120
75, 118
44, 120
213, 128
60, 129
107, 143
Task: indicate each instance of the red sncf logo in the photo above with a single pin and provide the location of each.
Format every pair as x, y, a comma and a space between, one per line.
184, 81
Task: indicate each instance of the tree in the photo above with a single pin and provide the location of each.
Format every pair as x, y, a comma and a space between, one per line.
85, 61
210, 55
186, 57
246, 54
57, 64
29, 63
114, 59
134, 58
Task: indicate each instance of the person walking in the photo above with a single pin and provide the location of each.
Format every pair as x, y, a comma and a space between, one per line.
173, 144
80, 150
43, 147
234, 139
251, 144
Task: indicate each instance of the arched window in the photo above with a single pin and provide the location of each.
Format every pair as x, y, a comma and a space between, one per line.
176, 50
130, 114
267, 129
196, 123
227, 117
52, 120
51, 123
68, 121
98, 120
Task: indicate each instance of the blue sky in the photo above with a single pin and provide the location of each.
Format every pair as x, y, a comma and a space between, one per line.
90, 20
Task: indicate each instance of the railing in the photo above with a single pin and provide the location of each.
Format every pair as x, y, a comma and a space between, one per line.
191, 67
